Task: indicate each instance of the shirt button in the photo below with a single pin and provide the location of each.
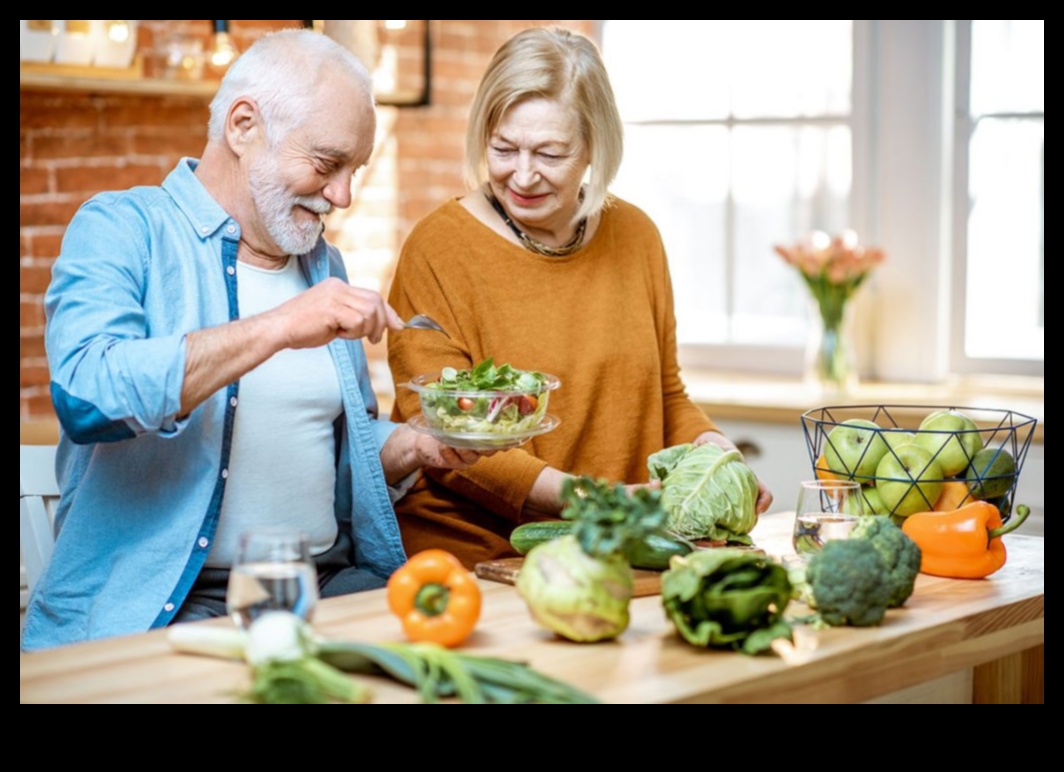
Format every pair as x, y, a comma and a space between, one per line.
232, 401
168, 608
231, 271
205, 230
225, 474
231, 229
203, 542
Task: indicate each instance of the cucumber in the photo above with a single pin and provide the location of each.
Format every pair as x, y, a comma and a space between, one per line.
652, 553
656, 550
530, 535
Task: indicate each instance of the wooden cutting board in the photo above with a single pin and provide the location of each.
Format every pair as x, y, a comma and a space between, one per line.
505, 571
645, 583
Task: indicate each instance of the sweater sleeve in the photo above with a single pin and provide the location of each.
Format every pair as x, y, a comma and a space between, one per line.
684, 420
499, 483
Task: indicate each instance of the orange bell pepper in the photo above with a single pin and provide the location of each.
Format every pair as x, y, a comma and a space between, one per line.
965, 543
436, 599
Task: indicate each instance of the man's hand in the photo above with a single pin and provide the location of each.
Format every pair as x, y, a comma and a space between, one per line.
764, 496
333, 309
218, 356
406, 451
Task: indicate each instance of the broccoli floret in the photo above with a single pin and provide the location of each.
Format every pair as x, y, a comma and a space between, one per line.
849, 583
901, 554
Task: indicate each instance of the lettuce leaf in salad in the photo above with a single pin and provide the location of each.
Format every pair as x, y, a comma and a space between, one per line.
487, 377
494, 414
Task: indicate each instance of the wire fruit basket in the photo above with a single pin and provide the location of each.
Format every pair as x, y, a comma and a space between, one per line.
920, 458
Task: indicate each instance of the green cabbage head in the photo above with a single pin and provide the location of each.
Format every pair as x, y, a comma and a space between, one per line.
708, 492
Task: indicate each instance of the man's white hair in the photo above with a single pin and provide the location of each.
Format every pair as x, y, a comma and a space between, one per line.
279, 72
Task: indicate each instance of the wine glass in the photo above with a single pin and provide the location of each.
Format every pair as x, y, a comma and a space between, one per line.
272, 571
827, 510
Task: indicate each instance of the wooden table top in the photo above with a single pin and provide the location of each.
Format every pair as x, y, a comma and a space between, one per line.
947, 626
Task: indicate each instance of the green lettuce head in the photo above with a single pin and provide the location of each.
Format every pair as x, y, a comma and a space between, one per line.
708, 492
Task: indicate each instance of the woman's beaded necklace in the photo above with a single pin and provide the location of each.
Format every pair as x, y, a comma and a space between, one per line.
532, 244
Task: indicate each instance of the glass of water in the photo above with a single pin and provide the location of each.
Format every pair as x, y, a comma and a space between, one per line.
827, 510
272, 571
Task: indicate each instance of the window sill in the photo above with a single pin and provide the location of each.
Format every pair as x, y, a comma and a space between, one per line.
774, 399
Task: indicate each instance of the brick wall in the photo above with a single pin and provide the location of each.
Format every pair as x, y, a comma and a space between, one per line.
74, 145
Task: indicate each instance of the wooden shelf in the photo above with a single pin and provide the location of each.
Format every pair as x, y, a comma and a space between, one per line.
92, 80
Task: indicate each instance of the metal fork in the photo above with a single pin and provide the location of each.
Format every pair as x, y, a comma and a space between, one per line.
422, 322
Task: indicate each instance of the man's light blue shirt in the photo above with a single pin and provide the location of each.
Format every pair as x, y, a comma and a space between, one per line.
142, 489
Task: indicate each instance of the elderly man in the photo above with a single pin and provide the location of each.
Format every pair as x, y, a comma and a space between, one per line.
207, 366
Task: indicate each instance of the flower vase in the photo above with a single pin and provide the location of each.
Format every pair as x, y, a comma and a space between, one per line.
830, 362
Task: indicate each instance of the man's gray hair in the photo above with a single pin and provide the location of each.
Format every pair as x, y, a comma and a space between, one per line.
279, 72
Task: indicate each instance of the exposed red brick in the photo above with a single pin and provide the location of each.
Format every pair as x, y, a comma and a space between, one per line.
57, 116
34, 280
37, 406
47, 213
174, 144
416, 167
46, 246
33, 376
33, 182
80, 146
151, 112
92, 179
449, 69
31, 315
31, 347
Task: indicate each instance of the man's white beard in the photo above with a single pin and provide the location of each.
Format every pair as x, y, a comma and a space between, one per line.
276, 208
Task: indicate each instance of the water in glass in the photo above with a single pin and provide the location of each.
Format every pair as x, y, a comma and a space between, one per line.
827, 510
273, 572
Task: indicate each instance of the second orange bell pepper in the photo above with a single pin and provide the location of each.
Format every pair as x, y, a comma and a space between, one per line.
965, 543
436, 599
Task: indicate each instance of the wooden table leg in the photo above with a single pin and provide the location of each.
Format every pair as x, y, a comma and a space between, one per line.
1018, 679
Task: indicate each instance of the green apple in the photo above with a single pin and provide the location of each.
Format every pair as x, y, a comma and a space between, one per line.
992, 473
909, 480
871, 503
897, 437
854, 449
952, 438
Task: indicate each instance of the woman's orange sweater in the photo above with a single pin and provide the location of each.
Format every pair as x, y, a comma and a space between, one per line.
601, 320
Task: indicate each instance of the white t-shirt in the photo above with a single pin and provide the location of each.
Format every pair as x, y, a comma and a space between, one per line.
282, 468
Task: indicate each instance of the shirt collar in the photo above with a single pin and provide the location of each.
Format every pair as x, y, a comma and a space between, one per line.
204, 213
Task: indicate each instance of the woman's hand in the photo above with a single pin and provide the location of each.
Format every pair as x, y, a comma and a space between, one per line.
764, 496
653, 485
406, 451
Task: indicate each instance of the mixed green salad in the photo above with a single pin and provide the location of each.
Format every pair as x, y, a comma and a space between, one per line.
486, 399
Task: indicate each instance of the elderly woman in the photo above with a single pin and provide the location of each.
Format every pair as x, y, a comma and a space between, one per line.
541, 270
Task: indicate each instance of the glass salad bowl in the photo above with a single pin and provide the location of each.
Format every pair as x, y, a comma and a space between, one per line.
484, 408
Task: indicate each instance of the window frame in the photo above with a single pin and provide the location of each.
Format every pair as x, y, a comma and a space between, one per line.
783, 359
909, 194
964, 129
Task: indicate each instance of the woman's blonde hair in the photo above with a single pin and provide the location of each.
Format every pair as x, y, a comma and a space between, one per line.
557, 64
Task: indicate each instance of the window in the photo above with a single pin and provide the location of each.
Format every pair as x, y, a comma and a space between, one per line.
738, 137
744, 134
1000, 302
